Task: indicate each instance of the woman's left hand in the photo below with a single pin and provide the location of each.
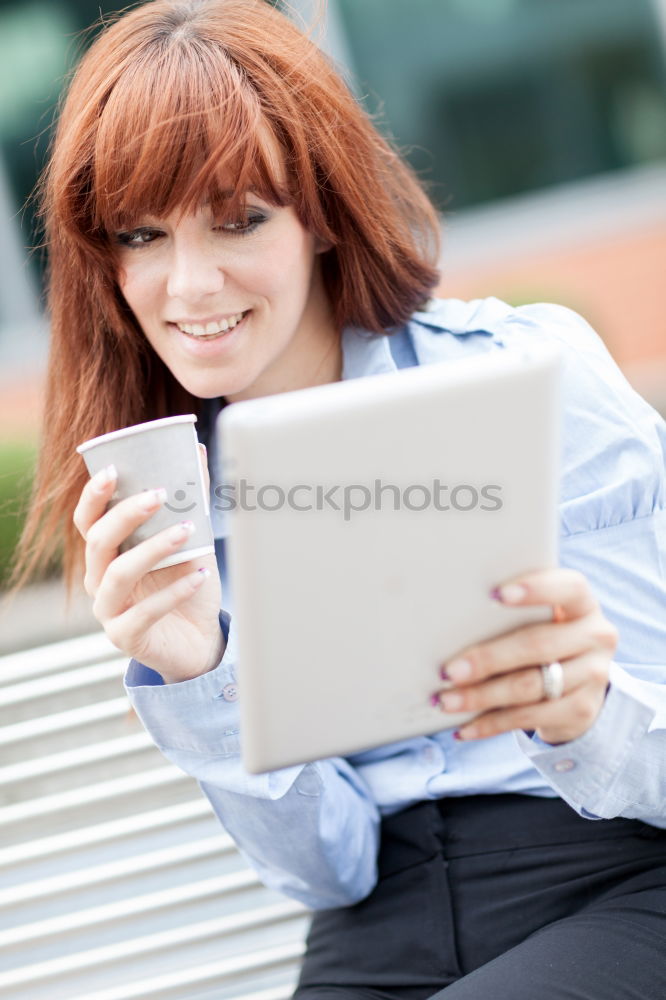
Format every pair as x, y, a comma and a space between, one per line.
502, 678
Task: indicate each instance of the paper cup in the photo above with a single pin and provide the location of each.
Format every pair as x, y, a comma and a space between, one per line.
158, 453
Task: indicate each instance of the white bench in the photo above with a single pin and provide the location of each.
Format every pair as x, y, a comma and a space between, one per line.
116, 879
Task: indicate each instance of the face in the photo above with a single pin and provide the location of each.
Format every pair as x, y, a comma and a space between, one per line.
234, 309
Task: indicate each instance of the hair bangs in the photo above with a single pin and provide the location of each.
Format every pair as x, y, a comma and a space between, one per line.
179, 132
179, 102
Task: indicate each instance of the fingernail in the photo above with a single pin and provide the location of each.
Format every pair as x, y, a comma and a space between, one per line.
153, 498
444, 674
459, 670
457, 735
101, 479
434, 700
451, 702
180, 531
512, 593
199, 576
496, 594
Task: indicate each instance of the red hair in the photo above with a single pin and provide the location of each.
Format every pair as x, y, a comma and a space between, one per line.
171, 99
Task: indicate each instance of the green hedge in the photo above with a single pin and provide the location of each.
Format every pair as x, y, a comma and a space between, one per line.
17, 462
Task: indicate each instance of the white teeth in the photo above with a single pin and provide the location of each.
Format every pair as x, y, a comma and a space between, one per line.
210, 329
215, 327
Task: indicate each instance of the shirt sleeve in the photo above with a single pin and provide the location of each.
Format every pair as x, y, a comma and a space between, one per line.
613, 518
332, 860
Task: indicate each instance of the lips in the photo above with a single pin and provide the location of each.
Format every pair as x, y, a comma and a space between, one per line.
207, 347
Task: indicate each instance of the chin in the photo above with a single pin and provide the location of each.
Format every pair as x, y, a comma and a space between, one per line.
206, 388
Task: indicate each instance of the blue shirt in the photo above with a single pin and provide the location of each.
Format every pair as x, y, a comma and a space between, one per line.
613, 529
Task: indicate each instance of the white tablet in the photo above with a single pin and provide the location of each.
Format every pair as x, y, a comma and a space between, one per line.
369, 521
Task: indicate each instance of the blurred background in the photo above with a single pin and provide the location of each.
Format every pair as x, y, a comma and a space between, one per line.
539, 128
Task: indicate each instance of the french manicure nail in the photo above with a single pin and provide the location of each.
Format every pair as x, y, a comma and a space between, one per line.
451, 702
180, 531
153, 498
512, 593
101, 479
459, 670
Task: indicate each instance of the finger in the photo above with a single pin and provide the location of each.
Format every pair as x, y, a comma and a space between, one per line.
522, 687
105, 536
554, 723
94, 499
128, 630
530, 645
566, 589
126, 570
561, 719
526, 717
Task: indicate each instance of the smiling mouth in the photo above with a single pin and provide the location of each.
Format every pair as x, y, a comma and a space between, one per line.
210, 331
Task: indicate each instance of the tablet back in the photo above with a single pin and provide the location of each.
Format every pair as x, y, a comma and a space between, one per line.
369, 520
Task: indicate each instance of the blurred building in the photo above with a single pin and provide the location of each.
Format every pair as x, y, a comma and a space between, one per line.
539, 127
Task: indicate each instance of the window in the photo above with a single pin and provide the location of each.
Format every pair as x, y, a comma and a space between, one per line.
496, 97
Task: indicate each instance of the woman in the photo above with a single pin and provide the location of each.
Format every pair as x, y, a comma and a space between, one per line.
218, 211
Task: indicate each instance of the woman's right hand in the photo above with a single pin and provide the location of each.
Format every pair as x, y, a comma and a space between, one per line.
166, 619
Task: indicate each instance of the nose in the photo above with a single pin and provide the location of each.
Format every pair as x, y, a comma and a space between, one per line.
193, 273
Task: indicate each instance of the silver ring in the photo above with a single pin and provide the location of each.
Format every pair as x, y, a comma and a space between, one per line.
553, 680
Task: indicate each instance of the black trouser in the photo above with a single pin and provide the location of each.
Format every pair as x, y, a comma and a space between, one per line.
500, 897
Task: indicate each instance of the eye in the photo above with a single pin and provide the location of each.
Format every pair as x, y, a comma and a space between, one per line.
245, 225
138, 237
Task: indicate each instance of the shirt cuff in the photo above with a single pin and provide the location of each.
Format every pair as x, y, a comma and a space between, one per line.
588, 772
198, 715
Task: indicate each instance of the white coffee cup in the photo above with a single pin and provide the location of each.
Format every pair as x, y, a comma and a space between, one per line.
159, 453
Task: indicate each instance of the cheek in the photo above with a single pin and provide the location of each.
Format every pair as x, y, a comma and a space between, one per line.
284, 269
128, 289
137, 288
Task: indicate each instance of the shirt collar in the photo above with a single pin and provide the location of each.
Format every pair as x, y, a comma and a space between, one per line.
365, 353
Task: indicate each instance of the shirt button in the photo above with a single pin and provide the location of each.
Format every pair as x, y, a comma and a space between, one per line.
565, 765
434, 755
230, 692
